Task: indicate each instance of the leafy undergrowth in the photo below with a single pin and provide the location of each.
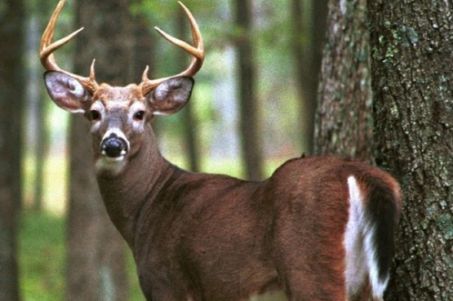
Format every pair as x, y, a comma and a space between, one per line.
41, 257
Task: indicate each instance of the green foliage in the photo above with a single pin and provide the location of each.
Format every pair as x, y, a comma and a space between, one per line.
42, 257
2, 8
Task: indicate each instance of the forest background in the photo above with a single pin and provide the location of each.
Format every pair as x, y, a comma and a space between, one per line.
367, 80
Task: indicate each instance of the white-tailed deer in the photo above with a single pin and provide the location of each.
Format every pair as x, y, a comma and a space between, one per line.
320, 228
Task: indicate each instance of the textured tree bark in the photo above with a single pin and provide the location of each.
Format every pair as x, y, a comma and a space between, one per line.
96, 252
248, 104
12, 22
308, 63
412, 61
344, 114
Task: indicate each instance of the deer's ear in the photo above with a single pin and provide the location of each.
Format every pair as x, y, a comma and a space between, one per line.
67, 92
171, 95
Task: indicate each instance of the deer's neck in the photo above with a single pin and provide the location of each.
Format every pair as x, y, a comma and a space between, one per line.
125, 195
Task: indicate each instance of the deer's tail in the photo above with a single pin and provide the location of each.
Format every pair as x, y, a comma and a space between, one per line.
374, 205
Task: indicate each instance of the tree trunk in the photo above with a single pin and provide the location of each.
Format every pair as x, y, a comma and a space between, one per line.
413, 102
308, 63
344, 115
318, 22
42, 147
96, 258
248, 104
12, 23
144, 49
192, 146
37, 98
143, 44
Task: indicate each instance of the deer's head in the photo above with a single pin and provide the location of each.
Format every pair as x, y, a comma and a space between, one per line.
118, 115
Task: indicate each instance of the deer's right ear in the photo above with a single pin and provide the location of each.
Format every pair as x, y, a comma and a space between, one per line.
67, 92
171, 95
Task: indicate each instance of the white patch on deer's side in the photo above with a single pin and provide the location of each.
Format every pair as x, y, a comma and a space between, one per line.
356, 268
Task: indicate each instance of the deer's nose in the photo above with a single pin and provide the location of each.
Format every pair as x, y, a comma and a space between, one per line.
114, 146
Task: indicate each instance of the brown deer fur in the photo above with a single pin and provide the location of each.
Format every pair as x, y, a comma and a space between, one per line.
213, 237
319, 229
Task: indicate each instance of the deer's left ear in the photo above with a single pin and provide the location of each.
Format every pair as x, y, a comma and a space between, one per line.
171, 95
67, 92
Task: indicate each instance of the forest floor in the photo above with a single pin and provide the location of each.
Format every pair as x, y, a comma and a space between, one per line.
42, 256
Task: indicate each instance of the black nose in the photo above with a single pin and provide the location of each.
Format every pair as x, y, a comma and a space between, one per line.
114, 147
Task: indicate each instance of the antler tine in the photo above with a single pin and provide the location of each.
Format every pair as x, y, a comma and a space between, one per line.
47, 48
196, 34
197, 51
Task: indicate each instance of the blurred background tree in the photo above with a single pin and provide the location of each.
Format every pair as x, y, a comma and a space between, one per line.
344, 123
307, 42
263, 96
249, 121
12, 79
96, 267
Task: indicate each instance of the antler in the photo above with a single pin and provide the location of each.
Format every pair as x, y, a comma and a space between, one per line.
196, 51
47, 48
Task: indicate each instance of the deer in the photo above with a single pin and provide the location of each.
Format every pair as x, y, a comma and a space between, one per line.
319, 228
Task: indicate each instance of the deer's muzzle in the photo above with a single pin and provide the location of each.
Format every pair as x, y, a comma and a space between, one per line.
114, 146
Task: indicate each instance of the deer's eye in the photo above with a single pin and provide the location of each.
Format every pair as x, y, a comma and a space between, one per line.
140, 115
95, 115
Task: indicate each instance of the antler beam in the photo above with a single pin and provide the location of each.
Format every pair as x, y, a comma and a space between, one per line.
197, 52
47, 49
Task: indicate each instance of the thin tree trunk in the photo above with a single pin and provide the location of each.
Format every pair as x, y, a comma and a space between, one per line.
308, 63
248, 104
42, 146
96, 257
188, 115
318, 32
412, 63
12, 26
144, 49
38, 98
42, 131
344, 115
